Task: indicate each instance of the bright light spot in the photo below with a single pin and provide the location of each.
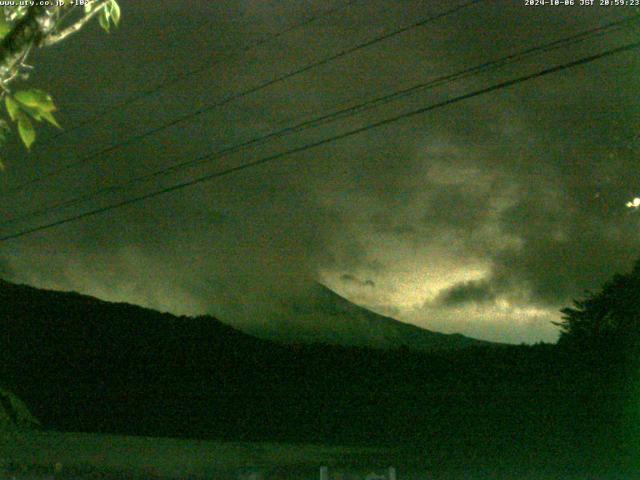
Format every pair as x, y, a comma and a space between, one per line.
635, 203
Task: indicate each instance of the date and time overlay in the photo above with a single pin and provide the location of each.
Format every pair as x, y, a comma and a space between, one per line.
527, 3
581, 3
45, 3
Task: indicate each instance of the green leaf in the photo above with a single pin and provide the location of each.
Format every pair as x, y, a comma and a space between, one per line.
48, 116
33, 113
13, 108
115, 12
103, 18
36, 99
26, 130
5, 27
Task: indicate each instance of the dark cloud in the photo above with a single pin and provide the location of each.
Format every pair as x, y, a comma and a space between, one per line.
348, 278
466, 292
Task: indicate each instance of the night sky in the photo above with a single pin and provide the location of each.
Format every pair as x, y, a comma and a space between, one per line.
484, 217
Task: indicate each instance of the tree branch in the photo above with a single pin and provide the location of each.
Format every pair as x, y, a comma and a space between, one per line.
28, 31
54, 38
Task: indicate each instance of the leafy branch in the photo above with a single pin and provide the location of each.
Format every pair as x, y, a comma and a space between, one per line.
108, 11
22, 30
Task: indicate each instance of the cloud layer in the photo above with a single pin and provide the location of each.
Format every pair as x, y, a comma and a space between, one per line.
484, 217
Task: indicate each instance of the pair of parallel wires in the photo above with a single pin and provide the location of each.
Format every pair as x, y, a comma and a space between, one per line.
319, 120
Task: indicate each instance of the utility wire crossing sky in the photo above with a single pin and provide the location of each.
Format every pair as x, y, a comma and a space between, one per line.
256, 163
337, 115
483, 219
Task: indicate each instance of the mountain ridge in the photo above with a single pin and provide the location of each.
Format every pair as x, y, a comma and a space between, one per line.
83, 364
324, 316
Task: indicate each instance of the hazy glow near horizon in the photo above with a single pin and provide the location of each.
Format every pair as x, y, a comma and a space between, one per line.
483, 218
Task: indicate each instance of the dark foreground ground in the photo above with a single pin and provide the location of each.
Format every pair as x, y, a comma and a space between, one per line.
51, 455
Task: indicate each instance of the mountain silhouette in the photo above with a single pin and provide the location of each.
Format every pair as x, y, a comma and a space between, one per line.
83, 364
323, 316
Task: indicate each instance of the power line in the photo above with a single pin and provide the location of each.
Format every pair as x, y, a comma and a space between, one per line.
221, 173
135, 97
333, 116
136, 138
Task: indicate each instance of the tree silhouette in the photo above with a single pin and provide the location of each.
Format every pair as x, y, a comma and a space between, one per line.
601, 333
609, 318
